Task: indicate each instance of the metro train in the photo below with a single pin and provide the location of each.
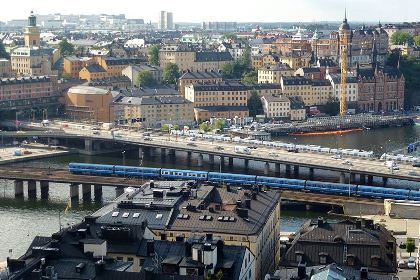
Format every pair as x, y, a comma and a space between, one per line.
249, 180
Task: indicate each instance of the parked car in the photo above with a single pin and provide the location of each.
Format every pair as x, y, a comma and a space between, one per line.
336, 157
191, 144
402, 264
219, 148
347, 162
147, 139
411, 262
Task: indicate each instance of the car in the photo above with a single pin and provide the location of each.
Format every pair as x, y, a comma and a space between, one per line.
402, 264
191, 144
96, 132
293, 150
336, 157
146, 134
20, 132
220, 148
273, 155
411, 262
253, 147
347, 162
147, 138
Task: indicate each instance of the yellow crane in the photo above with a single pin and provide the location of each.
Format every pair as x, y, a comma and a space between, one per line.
343, 80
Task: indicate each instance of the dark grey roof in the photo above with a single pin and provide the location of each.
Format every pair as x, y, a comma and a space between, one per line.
337, 78
152, 100
94, 68
123, 61
262, 86
145, 67
221, 108
148, 91
296, 80
220, 86
25, 80
296, 102
321, 83
213, 56
199, 74
370, 73
310, 70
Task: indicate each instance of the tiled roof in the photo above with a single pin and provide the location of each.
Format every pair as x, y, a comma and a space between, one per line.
213, 56
220, 86
199, 74
94, 68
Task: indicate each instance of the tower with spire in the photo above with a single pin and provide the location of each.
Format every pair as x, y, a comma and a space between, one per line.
32, 34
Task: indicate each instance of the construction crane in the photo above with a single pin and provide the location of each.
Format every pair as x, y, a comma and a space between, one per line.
343, 81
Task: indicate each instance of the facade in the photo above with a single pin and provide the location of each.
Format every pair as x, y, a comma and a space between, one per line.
191, 77
105, 67
187, 59
355, 244
296, 60
89, 103
28, 94
381, 89
276, 106
236, 50
222, 100
5, 68
352, 88
111, 83
297, 109
132, 72
218, 26
166, 21
309, 72
73, 65
322, 91
33, 60
154, 111
273, 73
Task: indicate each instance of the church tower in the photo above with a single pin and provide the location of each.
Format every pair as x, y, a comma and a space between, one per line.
32, 33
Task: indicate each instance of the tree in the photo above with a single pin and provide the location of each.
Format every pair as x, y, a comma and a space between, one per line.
401, 38
416, 40
245, 59
411, 245
145, 79
205, 127
165, 127
218, 124
229, 36
154, 54
65, 47
66, 76
170, 73
3, 52
255, 105
332, 107
250, 77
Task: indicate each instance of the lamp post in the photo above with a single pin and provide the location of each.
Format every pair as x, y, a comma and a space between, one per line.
349, 179
220, 164
123, 157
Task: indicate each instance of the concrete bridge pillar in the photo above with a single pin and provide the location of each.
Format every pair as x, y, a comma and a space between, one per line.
32, 189
96, 146
362, 179
246, 163
119, 191
211, 159
311, 173
277, 169
18, 188
163, 152
342, 178
352, 178
86, 191
370, 180
45, 188
266, 168
308, 207
141, 152
172, 152
384, 181
230, 162
74, 191
288, 170
296, 171
88, 145
200, 160
97, 189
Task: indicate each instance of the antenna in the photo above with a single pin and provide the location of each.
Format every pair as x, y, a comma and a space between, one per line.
345, 10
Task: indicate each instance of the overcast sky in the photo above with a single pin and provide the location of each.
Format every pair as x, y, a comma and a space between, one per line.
225, 10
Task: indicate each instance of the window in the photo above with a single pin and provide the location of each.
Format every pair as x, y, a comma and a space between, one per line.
130, 259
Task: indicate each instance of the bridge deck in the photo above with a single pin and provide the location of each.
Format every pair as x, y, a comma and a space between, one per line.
315, 198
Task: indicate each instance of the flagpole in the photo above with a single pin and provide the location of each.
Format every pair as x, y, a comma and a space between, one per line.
59, 220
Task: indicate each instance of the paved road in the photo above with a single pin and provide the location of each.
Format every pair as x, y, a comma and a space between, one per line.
221, 148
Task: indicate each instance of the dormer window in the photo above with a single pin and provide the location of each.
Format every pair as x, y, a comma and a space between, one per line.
323, 258
299, 256
375, 260
351, 260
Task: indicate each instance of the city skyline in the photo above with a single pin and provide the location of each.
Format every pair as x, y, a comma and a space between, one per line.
266, 11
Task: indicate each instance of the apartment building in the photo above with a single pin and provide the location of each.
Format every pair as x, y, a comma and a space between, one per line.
352, 88
5, 68
276, 106
272, 73
104, 67
322, 91
189, 77
72, 65
132, 71
221, 100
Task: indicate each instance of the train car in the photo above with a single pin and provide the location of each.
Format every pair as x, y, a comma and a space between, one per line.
136, 171
332, 188
379, 192
179, 174
93, 169
232, 178
281, 183
414, 195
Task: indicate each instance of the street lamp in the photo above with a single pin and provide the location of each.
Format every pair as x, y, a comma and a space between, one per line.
123, 157
349, 179
220, 164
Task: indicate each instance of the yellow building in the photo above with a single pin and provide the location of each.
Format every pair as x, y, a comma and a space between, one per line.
276, 106
221, 100
312, 92
257, 61
322, 91
296, 61
273, 73
32, 35
297, 109
89, 103
73, 65
191, 77
187, 59
105, 67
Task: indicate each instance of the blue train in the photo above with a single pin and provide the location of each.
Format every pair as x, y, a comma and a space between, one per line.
250, 180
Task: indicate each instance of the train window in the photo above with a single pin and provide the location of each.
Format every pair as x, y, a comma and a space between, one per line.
115, 214
136, 215
125, 215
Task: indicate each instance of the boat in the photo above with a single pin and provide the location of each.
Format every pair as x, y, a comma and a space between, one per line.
327, 132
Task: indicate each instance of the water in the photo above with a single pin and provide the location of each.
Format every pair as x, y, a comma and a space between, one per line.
22, 220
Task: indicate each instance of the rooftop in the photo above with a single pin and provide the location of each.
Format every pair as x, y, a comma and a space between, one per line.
220, 86
86, 90
198, 74
213, 56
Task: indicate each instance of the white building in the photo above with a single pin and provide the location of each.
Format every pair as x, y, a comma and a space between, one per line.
235, 49
166, 21
276, 106
352, 89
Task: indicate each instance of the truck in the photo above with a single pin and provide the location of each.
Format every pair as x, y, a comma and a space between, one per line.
242, 150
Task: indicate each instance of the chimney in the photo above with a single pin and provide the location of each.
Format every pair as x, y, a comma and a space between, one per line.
242, 212
358, 224
150, 249
364, 273
99, 267
248, 203
238, 203
302, 271
209, 236
320, 221
188, 249
180, 238
152, 184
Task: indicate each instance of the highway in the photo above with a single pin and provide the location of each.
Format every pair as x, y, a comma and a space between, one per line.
372, 166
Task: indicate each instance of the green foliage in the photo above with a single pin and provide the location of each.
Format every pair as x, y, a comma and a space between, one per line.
401, 38
332, 107
145, 79
170, 73
65, 47
411, 245
245, 59
255, 105
3, 52
154, 54
205, 127
240, 68
416, 40
410, 67
229, 36
66, 76
175, 127
250, 77
218, 124
165, 127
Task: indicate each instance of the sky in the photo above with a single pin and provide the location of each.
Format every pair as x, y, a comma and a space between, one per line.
226, 10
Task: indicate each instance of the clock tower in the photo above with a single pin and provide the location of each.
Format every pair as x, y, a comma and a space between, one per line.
32, 33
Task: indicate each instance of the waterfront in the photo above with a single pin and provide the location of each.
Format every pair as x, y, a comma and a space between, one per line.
21, 221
